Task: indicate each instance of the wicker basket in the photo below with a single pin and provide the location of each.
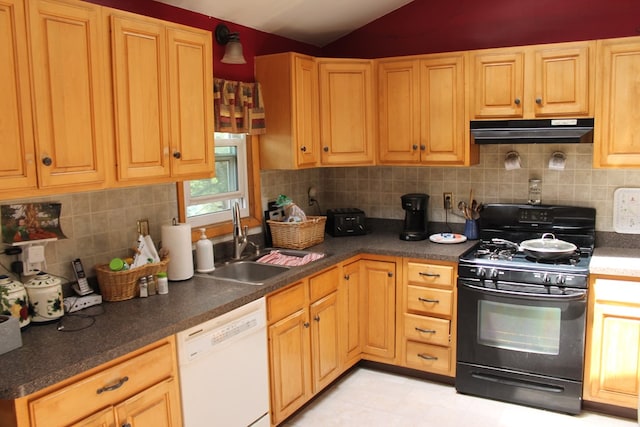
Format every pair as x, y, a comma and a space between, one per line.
123, 285
298, 235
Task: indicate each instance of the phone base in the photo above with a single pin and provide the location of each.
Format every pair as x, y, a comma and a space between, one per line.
72, 304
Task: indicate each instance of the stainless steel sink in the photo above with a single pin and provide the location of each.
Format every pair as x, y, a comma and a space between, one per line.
250, 272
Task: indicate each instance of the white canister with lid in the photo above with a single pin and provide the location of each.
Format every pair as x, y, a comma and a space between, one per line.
45, 297
14, 300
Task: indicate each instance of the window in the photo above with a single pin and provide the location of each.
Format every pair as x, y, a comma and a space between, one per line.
209, 201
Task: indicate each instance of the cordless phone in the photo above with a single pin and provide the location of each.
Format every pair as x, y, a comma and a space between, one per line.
82, 288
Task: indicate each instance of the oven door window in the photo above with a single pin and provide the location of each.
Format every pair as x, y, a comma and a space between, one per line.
519, 328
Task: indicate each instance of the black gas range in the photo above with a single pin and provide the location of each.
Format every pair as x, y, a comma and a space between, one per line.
521, 319
503, 226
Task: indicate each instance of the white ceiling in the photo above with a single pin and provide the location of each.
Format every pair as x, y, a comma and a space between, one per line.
316, 22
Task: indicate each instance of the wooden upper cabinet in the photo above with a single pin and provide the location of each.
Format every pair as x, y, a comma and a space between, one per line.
617, 129
498, 83
554, 80
422, 111
347, 133
564, 76
290, 91
163, 99
399, 111
140, 92
70, 89
442, 100
191, 102
17, 162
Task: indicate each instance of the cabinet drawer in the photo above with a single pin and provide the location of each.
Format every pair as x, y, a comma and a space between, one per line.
429, 301
323, 284
286, 302
426, 329
430, 274
428, 357
105, 388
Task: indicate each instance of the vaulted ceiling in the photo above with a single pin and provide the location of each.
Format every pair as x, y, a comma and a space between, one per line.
316, 22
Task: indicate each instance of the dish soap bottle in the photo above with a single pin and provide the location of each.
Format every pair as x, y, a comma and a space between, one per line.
204, 254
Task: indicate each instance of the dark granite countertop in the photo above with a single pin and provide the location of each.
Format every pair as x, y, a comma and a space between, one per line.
48, 355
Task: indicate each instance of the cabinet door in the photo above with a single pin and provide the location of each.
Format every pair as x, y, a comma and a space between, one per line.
562, 81
290, 363
157, 406
615, 362
617, 135
306, 111
351, 299
442, 116
70, 86
190, 102
104, 418
140, 92
325, 349
399, 111
499, 84
17, 166
378, 305
346, 112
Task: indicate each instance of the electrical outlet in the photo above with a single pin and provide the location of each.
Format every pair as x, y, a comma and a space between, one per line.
447, 200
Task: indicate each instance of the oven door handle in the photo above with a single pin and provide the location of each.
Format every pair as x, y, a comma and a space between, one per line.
577, 296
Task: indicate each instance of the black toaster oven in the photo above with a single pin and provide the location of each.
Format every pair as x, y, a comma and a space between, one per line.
346, 222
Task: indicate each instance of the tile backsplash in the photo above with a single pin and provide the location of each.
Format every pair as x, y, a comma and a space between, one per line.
102, 224
377, 189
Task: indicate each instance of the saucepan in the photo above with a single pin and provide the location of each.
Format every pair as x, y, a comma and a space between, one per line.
547, 247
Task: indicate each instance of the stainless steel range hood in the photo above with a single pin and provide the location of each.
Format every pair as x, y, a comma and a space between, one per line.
539, 131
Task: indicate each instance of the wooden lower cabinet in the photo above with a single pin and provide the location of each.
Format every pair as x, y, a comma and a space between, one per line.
378, 304
612, 362
317, 329
428, 314
139, 389
304, 349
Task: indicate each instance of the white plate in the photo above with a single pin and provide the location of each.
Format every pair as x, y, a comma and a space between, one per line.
448, 238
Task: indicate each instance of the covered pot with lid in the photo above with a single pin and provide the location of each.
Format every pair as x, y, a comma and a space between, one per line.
14, 301
45, 297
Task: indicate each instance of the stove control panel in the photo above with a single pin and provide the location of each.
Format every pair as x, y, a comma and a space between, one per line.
524, 276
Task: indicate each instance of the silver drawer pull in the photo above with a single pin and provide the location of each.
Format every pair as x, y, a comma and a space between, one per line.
427, 357
113, 386
429, 274
426, 331
435, 301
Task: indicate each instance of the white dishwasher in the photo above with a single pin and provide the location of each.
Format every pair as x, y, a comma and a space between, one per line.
224, 376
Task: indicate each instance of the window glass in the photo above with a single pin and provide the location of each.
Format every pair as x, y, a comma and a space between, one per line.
519, 327
209, 201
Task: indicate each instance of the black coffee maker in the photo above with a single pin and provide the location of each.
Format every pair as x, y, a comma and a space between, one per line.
415, 216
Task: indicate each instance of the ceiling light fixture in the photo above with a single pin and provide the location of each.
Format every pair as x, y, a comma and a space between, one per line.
233, 51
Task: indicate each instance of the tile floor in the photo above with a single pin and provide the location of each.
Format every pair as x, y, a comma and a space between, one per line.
373, 398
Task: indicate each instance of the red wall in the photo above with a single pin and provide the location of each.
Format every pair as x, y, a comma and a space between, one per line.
254, 42
426, 26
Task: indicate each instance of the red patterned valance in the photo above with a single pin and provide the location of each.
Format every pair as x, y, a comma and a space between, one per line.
238, 107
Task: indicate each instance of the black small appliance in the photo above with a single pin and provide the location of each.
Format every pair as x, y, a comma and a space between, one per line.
415, 216
346, 222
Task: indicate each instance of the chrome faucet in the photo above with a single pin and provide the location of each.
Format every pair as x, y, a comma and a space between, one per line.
239, 235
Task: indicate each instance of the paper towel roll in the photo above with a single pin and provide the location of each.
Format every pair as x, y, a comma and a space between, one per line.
177, 239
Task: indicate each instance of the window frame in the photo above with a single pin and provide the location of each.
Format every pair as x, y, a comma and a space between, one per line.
254, 217
241, 182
